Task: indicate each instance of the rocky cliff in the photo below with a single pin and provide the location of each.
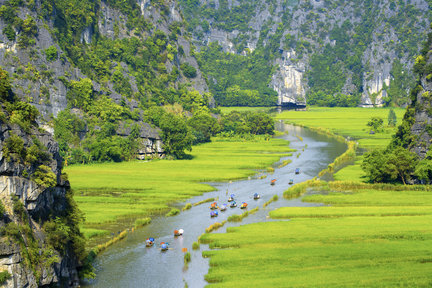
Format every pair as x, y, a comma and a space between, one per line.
360, 39
49, 49
40, 240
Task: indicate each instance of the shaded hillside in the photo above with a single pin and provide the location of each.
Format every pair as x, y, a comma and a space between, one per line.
321, 50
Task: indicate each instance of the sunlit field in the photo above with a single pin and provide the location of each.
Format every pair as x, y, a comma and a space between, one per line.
110, 192
371, 238
346, 122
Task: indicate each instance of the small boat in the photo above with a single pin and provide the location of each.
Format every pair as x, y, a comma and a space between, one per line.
223, 207
164, 246
149, 242
233, 204
231, 198
214, 213
297, 171
256, 196
243, 205
273, 182
291, 181
213, 206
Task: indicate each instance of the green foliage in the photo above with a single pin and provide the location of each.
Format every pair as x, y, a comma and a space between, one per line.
320, 98
51, 53
5, 85
389, 166
187, 257
423, 170
236, 80
44, 176
172, 212
257, 123
28, 32
58, 233
376, 124
400, 83
9, 32
203, 127
188, 70
2, 210
4, 276
391, 118
14, 147
176, 135
80, 94
142, 222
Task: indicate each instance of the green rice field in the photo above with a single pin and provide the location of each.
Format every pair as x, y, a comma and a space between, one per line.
367, 238
110, 193
348, 122
227, 110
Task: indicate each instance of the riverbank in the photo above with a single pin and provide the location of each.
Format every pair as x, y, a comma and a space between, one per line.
370, 234
114, 195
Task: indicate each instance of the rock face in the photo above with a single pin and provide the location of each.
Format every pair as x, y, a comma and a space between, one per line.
43, 82
310, 27
40, 204
422, 106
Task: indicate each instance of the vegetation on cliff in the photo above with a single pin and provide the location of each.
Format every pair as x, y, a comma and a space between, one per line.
25, 157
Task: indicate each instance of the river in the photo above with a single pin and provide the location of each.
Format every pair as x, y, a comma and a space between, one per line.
130, 264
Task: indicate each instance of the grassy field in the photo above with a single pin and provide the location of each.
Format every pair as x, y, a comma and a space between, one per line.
346, 121
369, 238
111, 193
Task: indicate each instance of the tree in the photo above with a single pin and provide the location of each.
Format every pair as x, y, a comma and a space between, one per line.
375, 123
403, 162
391, 118
204, 126
389, 165
5, 86
81, 93
176, 135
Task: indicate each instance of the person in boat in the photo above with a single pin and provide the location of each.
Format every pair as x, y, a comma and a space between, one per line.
213, 205
273, 181
243, 205
297, 171
164, 246
213, 213
291, 181
256, 196
176, 233
223, 207
231, 198
233, 204
149, 243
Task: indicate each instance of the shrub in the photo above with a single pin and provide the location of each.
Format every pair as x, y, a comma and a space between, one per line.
43, 176
4, 275
187, 257
57, 233
195, 245
51, 53
173, 212
188, 70
142, 222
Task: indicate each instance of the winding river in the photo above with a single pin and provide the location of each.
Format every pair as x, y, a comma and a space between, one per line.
130, 264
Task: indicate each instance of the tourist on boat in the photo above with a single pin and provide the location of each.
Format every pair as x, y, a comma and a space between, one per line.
273, 181
164, 246
243, 205
233, 204
231, 198
223, 207
213, 205
256, 196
